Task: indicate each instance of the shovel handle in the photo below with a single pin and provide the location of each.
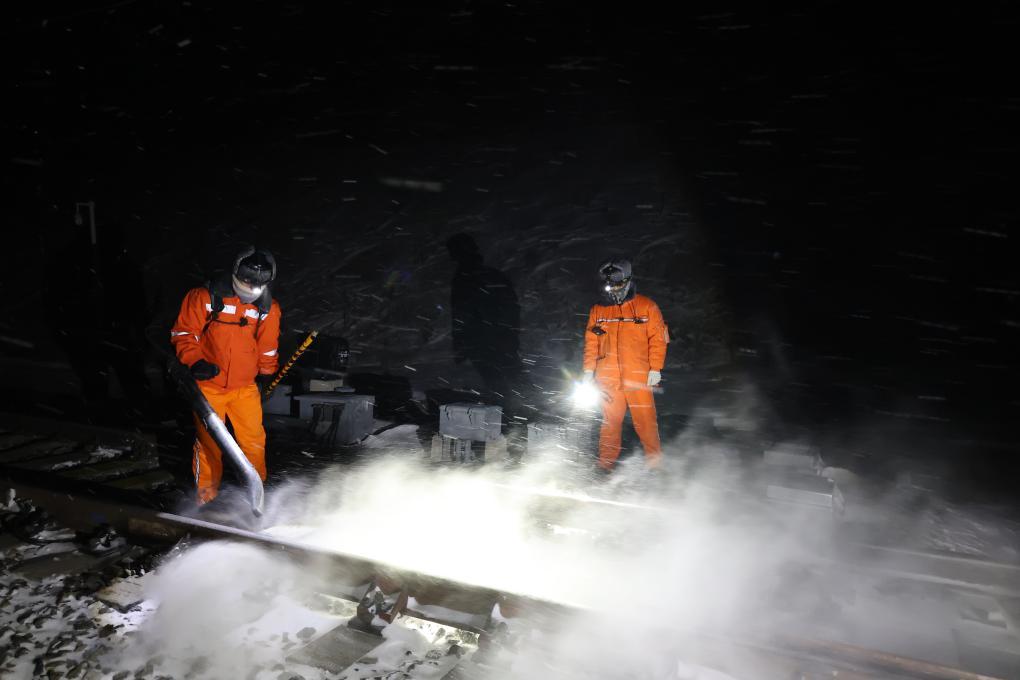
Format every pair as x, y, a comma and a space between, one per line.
290, 362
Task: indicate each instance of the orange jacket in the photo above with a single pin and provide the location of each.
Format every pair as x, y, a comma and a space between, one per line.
634, 343
238, 341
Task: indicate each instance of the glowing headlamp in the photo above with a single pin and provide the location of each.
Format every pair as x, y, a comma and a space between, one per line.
620, 284
248, 292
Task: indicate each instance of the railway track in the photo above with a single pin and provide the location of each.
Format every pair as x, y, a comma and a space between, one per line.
84, 459
488, 620
85, 486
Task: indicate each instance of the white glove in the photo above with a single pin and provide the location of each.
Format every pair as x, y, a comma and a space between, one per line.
654, 378
588, 376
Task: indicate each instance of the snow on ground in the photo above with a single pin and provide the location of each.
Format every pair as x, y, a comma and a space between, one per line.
400, 436
215, 611
225, 610
698, 552
228, 610
641, 551
976, 530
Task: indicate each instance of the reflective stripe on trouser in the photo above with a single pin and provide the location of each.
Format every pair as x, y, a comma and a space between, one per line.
642, 414
243, 408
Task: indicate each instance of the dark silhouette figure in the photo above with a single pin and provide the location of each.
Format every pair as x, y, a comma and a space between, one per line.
486, 332
100, 294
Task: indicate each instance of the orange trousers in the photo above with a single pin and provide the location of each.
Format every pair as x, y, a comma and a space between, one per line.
642, 414
243, 407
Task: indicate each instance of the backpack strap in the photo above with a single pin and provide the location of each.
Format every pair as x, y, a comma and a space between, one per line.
215, 304
263, 304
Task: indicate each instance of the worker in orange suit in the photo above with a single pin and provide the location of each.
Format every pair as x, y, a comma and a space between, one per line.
227, 333
624, 351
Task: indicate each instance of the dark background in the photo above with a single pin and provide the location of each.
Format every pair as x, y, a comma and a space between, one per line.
823, 199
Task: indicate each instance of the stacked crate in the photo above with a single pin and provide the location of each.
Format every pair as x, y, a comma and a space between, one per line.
468, 433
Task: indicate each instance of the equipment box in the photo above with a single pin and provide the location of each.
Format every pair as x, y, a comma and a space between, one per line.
279, 402
338, 419
451, 450
794, 456
477, 422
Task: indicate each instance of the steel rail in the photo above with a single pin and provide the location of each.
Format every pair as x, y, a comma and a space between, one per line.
161, 528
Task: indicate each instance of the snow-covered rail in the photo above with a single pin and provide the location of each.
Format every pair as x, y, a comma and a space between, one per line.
380, 594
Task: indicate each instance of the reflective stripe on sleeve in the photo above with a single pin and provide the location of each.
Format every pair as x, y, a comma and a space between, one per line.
624, 319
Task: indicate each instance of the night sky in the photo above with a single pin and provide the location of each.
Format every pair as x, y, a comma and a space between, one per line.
827, 192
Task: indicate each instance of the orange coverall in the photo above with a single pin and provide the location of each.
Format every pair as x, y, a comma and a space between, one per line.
633, 343
243, 345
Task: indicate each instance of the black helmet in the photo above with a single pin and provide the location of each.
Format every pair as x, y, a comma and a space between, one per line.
253, 266
615, 274
252, 272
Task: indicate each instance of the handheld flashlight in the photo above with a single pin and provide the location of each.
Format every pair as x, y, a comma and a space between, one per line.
586, 395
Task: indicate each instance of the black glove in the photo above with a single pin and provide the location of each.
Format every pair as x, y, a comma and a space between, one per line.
203, 370
264, 381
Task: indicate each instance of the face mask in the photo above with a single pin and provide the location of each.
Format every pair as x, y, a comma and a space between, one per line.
246, 291
617, 292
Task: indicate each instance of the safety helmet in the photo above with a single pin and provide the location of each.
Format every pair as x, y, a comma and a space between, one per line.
252, 272
615, 274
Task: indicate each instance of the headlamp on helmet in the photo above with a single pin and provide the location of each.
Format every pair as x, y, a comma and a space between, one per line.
616, 279
253, 271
